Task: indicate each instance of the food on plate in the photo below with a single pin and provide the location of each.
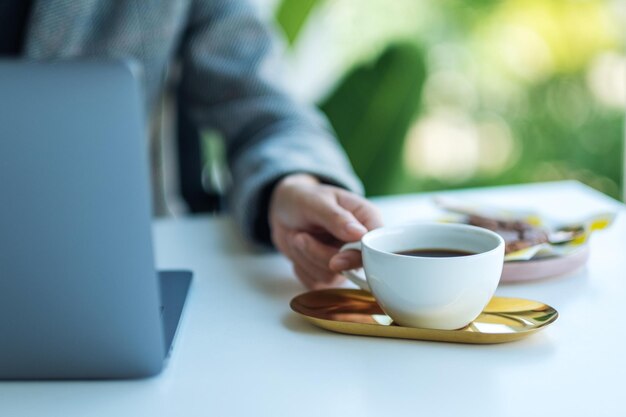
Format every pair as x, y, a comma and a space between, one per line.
517, 234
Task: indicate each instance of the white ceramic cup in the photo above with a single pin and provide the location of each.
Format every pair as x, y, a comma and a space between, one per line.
436, 293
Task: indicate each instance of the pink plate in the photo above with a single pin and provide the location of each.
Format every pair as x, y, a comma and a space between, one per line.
519, 271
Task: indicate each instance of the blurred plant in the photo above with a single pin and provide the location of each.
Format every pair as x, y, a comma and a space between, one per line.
373, 106
513, 90
291, 15
371, 111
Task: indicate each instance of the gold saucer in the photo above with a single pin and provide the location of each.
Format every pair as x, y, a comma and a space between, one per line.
356, 312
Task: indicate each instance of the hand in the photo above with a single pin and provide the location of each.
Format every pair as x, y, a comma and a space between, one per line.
310, 221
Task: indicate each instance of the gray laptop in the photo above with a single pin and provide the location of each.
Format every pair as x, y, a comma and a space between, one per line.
79, 293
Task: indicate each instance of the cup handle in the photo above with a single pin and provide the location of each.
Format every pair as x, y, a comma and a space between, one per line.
355, 275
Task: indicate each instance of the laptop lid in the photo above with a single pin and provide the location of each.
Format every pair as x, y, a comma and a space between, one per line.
78, 289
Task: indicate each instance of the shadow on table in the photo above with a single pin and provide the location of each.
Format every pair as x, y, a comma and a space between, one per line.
297, 324
271, 281
270, 276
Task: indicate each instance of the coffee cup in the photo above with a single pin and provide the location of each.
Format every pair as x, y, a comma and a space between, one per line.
430, 275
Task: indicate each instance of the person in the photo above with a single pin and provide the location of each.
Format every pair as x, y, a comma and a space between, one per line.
293, 186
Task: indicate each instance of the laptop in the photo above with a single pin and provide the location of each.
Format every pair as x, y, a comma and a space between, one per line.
80, 297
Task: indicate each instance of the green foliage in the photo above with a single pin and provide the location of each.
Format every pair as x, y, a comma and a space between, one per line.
291, 15
562, 134
372, 110
572, 136
558, 124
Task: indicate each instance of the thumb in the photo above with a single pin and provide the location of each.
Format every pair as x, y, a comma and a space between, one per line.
337, 221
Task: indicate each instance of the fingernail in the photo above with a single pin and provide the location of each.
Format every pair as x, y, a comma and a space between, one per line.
356, 227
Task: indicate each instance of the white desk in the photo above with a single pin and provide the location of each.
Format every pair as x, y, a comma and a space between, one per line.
241, 351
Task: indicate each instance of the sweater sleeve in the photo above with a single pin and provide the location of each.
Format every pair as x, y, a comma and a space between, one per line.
230, 80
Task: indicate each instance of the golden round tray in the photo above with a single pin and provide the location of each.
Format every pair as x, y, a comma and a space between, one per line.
356, 312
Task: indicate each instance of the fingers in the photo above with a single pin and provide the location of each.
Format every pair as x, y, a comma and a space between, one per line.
364, 211
310, 261
346, 216
312, 257
305, 206
336, 220
343, 261
312, 282
320, 219
314, 250
326, 258
282, 241
304, 277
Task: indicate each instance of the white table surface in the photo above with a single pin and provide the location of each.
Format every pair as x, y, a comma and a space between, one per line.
242, 352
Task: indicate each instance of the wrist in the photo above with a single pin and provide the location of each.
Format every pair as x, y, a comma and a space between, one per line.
297, 179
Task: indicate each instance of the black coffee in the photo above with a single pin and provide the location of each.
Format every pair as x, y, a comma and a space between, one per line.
435, 253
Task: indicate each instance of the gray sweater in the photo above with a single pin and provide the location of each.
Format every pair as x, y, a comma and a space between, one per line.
227, 77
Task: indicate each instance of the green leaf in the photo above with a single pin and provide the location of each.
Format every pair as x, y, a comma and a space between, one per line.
292, 15
372, 111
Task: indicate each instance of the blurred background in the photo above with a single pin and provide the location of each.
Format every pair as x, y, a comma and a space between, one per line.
434, 94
